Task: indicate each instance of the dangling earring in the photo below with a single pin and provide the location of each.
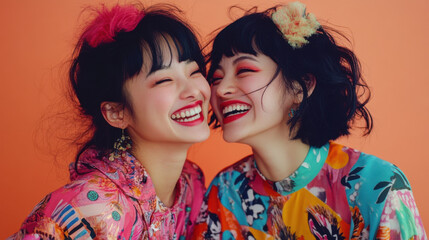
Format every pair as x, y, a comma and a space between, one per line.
121, 145
291, 113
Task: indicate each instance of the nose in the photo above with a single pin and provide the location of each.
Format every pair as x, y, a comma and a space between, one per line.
225, 87
190, 89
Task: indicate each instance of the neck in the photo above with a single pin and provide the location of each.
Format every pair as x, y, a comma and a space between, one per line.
276, 155
164, 163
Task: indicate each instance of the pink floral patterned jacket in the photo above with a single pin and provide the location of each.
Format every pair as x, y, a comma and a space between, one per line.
115, 200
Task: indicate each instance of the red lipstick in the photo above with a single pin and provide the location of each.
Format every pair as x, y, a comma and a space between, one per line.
190, 115
233, 110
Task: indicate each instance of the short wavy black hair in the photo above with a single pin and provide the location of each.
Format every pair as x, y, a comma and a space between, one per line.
340, 93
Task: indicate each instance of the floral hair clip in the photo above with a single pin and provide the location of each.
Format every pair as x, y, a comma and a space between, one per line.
295, 24
108, 23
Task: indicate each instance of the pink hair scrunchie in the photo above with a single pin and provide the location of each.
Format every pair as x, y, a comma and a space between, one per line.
108, 23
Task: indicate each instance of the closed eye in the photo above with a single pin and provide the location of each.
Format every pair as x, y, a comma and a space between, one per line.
163, 81
198, 71
215, 80
245, 70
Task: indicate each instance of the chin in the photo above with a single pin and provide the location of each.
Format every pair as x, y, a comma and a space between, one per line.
200, 136
205, 136
231, 137
233, 133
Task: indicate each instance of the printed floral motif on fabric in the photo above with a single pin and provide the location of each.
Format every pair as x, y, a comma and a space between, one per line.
336, 193
115, 200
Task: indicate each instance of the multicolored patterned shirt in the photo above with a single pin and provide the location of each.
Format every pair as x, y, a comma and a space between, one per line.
115, 200
336, 193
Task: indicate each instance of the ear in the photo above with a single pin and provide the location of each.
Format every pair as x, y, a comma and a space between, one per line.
310, 81
311, 84
114, 113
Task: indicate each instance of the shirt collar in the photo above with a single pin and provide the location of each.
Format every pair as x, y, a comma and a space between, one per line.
305, 173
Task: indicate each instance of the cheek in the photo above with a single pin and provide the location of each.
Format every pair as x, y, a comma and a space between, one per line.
253, 84
156, 103
214, 102
213, 98
204, 88
213, 93
276, 98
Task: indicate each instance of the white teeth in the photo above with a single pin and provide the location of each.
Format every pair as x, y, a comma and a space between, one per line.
235, 107
188, 114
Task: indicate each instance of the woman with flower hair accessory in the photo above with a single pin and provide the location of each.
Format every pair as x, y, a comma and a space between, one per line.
282, 85
138, 76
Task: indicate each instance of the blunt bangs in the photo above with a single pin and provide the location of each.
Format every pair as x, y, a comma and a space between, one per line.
250, 34
157, 30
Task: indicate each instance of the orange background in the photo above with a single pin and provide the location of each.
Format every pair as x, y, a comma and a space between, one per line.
37, 38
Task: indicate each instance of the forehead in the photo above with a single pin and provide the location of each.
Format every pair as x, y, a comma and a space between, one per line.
159, 54
236, 58
230, 51
259, 58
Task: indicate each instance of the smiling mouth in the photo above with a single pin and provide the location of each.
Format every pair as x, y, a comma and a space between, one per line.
234, 111
189, 115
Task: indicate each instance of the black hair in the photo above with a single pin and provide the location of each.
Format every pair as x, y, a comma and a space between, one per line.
340, 93
98, 73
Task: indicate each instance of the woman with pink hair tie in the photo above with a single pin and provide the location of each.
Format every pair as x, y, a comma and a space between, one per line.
138, 76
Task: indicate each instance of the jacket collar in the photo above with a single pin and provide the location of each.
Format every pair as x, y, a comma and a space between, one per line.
129, 175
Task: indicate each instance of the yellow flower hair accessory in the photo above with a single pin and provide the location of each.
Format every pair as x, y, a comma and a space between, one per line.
295, 24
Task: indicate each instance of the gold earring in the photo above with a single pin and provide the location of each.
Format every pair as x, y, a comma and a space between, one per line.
120, 146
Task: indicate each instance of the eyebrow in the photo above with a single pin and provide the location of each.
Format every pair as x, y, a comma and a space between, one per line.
168, 66
243, 58
161, 68
237, 60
